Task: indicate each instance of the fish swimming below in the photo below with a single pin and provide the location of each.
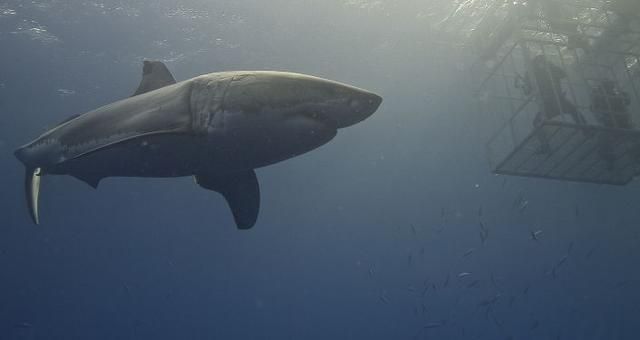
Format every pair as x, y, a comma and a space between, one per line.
217, 127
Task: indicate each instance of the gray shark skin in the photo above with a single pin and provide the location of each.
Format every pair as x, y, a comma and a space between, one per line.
217, 127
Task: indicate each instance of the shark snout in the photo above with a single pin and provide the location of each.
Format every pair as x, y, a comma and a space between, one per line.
360, 106
365, 104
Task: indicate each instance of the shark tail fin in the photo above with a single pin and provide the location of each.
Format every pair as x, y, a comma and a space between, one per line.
32, 191
155, 75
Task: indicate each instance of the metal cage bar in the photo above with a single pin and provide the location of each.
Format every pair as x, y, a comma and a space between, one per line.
577, 135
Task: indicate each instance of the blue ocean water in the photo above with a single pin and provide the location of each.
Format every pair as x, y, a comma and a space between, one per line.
396, 229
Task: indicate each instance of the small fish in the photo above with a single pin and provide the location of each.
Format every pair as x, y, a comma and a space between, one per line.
413, 229
590, 253
526, 290
523, 206
517, 201
520, 203
621, 284
480, 213
489, 301
433, 325
493, 281
384, 299
127, 289
496, 321
535, 325
410, 259
463, 274
483, 238
411, 289
473, 284
23, 325
535, 234
562, 261
626, 283
66, 92
484, 233
512, 299
557, 266
468, 252
570, 248
425, 290
446, 281
482, 226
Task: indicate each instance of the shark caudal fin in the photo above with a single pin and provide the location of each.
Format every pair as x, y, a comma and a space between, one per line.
242, 192
32, 192
155, 75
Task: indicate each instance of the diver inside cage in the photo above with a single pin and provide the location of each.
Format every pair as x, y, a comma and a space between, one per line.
553, 99
610, 106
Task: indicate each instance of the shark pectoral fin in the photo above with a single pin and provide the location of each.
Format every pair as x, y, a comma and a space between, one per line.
242, 192
32, 191
155, 75
91, 180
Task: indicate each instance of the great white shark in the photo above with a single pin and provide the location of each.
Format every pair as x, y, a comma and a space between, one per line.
217, 127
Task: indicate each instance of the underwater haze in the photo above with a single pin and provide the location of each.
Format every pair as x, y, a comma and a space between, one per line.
395, 229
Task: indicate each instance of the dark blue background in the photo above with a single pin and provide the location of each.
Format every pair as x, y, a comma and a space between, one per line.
334, 254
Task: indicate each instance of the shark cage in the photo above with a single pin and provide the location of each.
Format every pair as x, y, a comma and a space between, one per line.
559, 82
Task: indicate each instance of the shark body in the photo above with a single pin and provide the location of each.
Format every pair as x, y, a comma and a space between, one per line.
217, 127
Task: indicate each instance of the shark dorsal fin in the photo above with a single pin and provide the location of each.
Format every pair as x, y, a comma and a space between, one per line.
155, 75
